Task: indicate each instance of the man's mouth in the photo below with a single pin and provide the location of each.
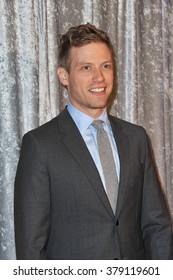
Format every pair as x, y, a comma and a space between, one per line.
97, 90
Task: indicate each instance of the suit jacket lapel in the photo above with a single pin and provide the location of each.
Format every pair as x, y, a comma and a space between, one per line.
74, 142
124, 155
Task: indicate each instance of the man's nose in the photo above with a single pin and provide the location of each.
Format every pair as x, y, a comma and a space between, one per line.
98, 75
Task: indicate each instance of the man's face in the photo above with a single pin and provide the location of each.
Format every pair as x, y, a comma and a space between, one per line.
90, 78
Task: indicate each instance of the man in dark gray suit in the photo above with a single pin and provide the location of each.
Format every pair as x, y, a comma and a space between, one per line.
63, 207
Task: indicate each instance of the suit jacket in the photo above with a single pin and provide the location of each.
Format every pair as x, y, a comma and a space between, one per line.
62, 211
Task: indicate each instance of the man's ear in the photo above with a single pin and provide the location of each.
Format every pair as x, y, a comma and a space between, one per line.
63, 76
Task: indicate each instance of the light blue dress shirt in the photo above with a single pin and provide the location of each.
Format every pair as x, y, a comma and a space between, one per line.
89, 134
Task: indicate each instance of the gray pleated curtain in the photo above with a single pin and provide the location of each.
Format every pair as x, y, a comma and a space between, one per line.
30, 94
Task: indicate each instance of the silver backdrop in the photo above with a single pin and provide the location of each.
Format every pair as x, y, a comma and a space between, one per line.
30, 94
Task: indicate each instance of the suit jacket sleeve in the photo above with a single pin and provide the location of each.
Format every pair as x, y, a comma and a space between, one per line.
31, 201
156, 224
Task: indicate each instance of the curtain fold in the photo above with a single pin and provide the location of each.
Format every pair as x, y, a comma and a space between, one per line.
30, 93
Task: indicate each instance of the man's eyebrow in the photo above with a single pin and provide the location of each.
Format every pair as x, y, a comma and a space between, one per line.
91, 63
108, 61
84, 62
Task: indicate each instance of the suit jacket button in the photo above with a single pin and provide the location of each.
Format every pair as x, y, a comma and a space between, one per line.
117, 223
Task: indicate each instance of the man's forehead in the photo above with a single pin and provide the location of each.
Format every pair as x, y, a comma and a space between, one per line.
91, 51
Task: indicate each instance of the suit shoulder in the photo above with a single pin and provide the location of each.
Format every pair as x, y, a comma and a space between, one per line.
44, 132
44, 128
128, 127
48, 131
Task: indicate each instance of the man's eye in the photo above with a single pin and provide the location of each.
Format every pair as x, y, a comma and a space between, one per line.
107, 66
86, 68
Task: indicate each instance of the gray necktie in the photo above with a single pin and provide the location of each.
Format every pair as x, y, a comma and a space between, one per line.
108, 163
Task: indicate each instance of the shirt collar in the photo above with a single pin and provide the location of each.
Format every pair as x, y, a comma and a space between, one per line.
82, 120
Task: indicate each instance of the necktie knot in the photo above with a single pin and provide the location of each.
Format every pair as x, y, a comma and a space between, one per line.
98, 124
